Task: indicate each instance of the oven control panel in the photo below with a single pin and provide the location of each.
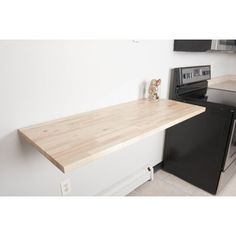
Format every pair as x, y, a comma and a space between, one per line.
194, 74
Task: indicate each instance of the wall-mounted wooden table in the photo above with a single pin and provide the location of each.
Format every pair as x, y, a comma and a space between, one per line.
77, 140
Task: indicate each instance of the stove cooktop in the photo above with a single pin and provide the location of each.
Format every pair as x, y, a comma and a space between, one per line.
214, 96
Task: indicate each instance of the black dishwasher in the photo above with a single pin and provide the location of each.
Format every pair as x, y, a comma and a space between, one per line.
198, 150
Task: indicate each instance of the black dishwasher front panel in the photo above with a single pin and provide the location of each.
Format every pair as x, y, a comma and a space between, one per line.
195, 149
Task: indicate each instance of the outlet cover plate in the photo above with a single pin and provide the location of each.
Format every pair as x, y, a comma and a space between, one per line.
66, 187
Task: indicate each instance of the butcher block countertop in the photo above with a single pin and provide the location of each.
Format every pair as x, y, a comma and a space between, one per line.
227, 82
72, 142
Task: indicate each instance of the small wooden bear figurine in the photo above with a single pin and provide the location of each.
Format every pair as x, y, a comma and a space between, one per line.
153, 89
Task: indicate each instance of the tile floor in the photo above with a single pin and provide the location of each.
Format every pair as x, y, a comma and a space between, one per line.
165, 184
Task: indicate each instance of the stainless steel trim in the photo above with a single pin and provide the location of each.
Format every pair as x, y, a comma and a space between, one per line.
195, 78
214, 44
217, 46
226, 176
229, 159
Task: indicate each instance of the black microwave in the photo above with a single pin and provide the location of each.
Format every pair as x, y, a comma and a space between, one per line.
226, 45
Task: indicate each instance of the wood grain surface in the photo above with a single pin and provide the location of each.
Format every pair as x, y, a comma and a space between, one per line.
228, 84
77, 140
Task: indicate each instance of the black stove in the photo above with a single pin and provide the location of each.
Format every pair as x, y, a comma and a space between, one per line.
202, 150
212, 96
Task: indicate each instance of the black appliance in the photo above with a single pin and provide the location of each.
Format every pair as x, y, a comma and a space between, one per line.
205, 45
202, 150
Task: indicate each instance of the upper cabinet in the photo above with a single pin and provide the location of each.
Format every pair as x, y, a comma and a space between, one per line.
205, 45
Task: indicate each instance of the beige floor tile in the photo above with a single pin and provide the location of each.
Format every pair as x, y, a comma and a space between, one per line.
185, 186
230, 188
161, 174
165, 184
133, 193
158, 188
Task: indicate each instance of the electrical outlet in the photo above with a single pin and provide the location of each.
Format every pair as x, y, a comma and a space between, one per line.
66, 187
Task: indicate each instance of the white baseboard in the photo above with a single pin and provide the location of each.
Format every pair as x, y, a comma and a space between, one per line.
128, 184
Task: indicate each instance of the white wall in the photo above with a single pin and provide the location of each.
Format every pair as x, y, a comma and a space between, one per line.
44, 80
